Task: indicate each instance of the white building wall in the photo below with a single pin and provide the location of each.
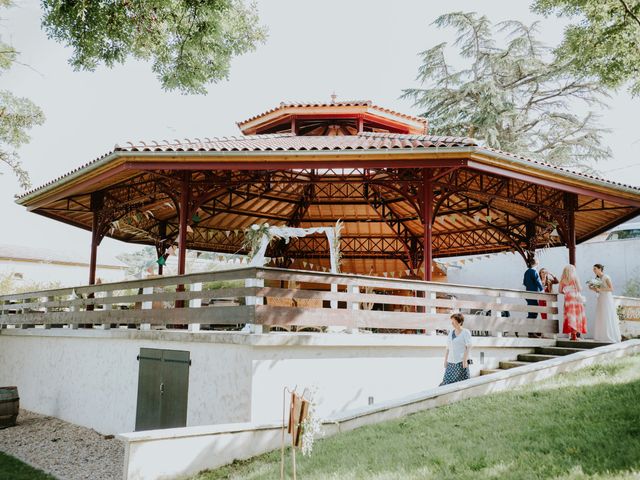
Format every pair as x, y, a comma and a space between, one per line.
90, 377
621, 259
65, 275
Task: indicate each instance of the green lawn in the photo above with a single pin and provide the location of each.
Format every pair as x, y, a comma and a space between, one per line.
582, 425
14, 469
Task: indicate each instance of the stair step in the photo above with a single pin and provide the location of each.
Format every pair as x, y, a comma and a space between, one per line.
557, 350
535, 357
488, 371
513, 364
582, 344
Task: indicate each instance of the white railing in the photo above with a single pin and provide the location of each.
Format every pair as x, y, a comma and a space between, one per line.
281, 299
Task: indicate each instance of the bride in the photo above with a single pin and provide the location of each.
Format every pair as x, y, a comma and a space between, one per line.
606, 326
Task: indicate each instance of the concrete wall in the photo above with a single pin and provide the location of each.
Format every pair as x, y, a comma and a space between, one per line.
620, 257
183, 452
90, 377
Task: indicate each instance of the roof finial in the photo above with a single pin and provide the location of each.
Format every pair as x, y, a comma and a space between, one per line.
333, 97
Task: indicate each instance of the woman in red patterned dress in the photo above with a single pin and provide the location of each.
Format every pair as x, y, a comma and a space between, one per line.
575, 320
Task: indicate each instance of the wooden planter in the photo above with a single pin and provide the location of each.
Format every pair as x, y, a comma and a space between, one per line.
9, 406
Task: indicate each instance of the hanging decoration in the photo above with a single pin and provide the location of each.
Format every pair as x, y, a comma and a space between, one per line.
258, 237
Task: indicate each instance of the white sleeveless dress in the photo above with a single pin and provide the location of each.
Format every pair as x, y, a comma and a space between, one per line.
606, 327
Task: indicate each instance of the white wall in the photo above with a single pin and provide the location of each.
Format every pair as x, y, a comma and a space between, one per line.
90, 377
65, 275
621, 259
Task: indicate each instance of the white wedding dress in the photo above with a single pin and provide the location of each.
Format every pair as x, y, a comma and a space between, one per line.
606, 327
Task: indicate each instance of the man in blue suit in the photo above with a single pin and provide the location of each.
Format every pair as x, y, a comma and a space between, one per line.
532, 283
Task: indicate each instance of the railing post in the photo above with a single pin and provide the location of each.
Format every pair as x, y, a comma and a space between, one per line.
195, 303
147, 305
250, 300
107, 294
74, 308
47, 309
3, 312
353, 290
429, 309
499, 333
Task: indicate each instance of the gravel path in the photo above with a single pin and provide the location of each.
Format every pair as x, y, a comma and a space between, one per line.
64, 450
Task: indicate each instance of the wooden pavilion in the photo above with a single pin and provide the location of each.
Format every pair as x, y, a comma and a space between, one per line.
405, 197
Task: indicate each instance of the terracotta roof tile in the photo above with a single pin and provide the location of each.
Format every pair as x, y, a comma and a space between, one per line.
560, 169
290, 142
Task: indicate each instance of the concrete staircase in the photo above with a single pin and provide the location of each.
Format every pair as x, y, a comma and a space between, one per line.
562, 348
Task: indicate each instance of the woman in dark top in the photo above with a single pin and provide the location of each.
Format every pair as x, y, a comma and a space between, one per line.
532, 283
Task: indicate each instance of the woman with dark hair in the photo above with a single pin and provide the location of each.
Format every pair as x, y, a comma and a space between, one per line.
456, 357
605, 328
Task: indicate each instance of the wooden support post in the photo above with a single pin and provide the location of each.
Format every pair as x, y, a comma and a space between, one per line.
427, 199
97, 200
162, 232
184, 216
570, 204
182, 233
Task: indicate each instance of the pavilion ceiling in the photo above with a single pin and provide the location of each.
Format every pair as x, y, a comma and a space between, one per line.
474, 212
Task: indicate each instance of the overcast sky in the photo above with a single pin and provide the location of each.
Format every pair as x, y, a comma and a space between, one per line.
359, 49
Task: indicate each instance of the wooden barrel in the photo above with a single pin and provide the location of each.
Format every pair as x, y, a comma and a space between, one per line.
9, 406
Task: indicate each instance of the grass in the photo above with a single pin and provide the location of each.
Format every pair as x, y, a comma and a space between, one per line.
13, 469
580, 425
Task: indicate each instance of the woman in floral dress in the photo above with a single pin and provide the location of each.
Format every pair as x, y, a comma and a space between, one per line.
575, 320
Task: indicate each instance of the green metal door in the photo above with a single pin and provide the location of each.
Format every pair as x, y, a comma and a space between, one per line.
163, 389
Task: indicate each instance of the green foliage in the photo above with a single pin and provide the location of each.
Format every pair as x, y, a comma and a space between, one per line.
514, 98
190, 42
578, 426
603, 40
9, 284
632, 287
17, 116
138, 261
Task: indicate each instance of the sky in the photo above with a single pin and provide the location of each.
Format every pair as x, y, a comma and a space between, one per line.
359, 49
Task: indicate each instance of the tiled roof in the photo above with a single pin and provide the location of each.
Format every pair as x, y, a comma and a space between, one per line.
291, 142
278, 142
344, 103
558, 168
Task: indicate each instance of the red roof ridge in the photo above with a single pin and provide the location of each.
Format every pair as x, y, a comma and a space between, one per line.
341, 103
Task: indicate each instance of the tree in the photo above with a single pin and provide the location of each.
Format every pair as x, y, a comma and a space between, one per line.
190, 42
17, 116
605, 41
516, 98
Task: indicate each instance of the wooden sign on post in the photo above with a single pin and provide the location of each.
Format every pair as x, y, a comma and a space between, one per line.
298, 411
